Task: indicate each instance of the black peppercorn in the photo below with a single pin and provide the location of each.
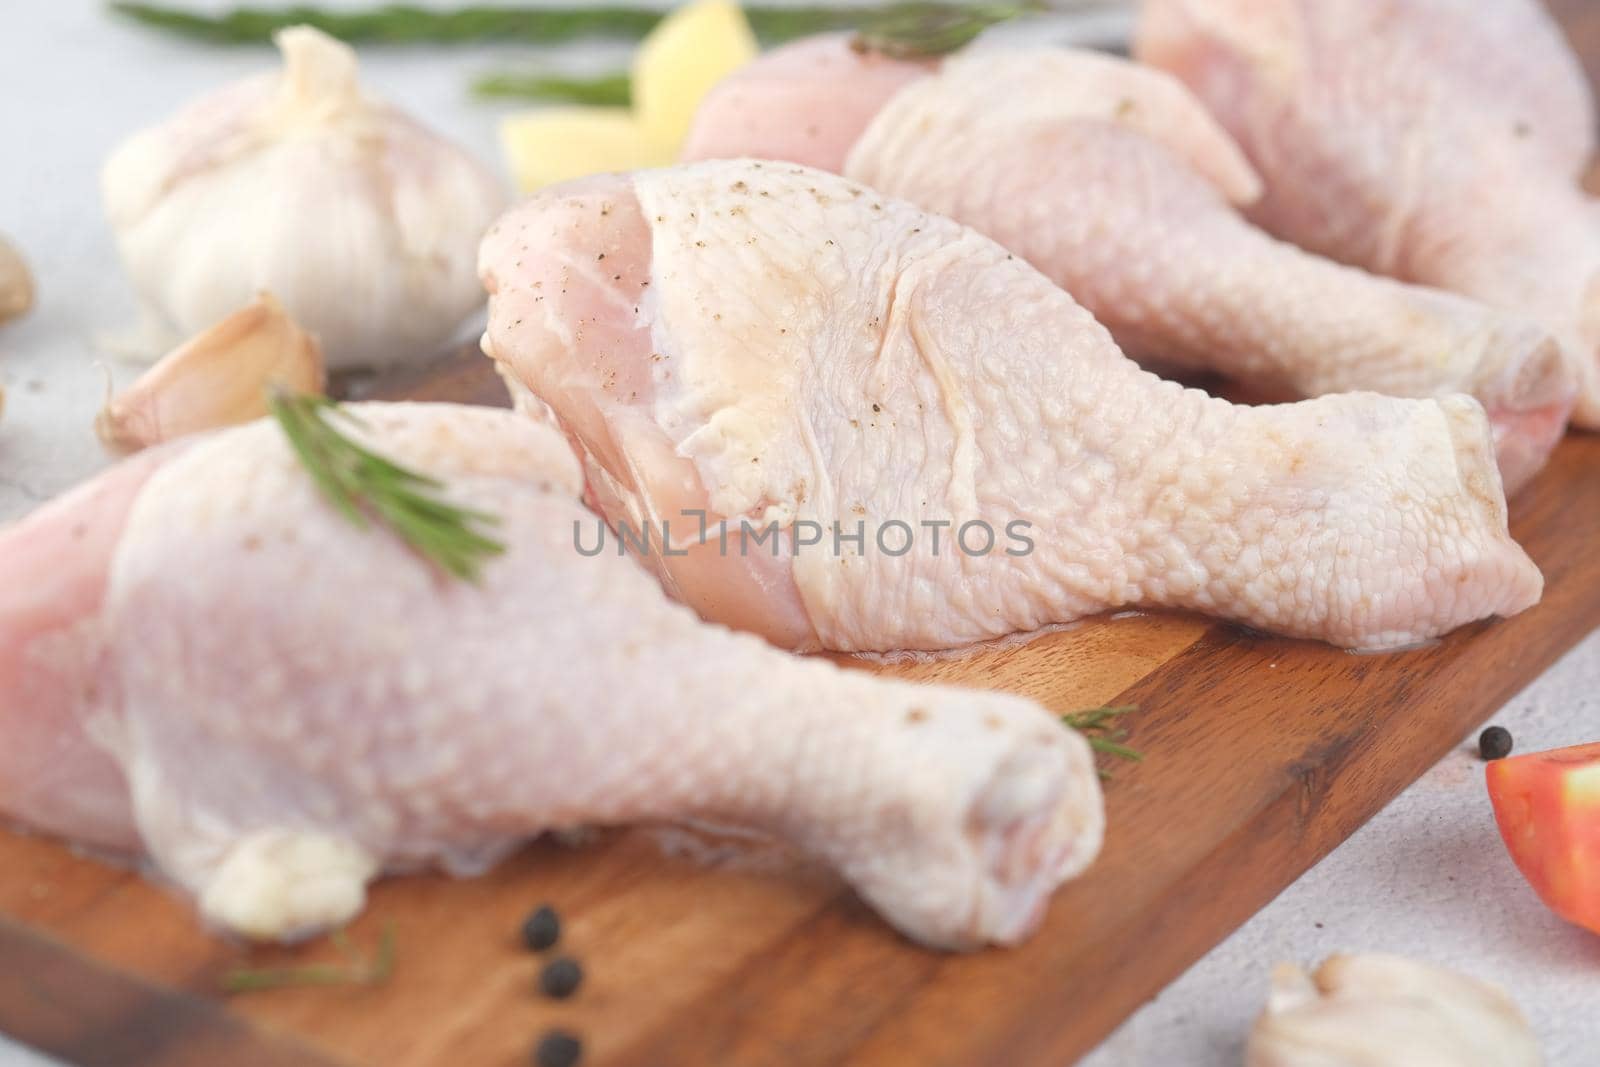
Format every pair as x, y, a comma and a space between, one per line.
1494, 743
561, 978
558, 1049
542, 929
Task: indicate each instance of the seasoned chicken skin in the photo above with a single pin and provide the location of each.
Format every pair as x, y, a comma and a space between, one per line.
1112, 180
278, 706
751, 344
1438, 141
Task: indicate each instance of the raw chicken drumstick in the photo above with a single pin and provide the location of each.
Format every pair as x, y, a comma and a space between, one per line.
1438, 141
221, 669
1113, 181
764, 343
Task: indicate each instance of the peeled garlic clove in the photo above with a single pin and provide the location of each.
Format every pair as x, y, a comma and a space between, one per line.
362, 222
1386, 1011
220, 378
16, 284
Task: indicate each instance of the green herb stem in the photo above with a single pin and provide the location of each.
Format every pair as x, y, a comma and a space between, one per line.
366, 487
1098, 726
605, 90
400, 23
904, 31
934, 30
353, 971
410, 24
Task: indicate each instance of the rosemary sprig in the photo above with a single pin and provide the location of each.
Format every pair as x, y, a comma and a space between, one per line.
355, 970
410, 24
928, 30
904, 31
1098, 726
916, 24
365, 486
400, 23
605, 90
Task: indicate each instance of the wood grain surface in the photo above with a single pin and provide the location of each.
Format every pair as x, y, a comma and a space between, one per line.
1261, 756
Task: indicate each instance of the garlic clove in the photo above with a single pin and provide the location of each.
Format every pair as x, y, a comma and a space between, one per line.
1291, 987
219, 378
16, 283
1386, 1011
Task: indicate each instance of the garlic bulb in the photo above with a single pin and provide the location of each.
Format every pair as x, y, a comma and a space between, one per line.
363, 223
220, 378
1387, 1011
16, 284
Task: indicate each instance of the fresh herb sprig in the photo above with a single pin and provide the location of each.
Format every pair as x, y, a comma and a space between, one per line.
411, 24
365, 486
907, 29
903, 31
1099, 727
354, 970
604, 90
934, 29
400, 23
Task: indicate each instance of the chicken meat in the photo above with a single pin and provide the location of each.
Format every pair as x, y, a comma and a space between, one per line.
205, 661
1111, 179
1439, 141
918, 441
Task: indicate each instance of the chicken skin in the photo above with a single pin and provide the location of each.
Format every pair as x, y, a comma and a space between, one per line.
1438, 141
225, 673
1112, 180
746, 346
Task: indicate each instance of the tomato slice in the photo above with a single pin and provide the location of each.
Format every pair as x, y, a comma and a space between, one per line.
1547, 805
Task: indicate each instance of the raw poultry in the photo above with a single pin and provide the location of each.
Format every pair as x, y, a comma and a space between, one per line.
1112, 180
761, 343
1439, 141
202, 659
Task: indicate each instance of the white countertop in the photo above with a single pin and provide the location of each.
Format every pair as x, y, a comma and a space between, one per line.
1427, 878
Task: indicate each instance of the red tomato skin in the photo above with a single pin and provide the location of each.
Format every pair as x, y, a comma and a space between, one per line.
1547, 805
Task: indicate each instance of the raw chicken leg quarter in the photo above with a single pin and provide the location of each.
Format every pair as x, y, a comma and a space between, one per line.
764, 343
277, 705
1111, 179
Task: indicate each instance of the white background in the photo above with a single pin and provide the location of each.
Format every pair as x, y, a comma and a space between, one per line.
1428, 877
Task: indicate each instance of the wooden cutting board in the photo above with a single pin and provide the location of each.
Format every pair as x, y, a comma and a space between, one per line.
1261, 756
